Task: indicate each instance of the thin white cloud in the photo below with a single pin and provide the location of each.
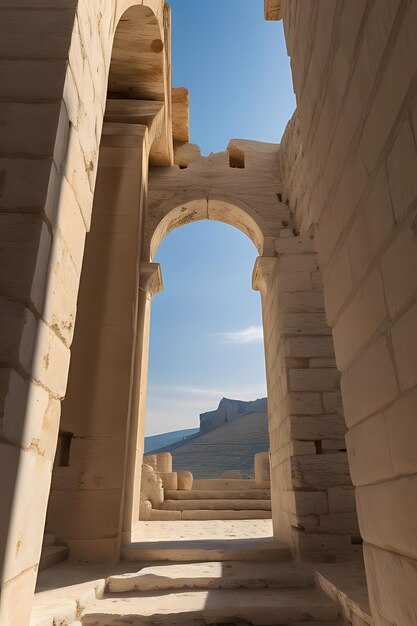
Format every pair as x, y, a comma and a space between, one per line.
251, 334
172, 407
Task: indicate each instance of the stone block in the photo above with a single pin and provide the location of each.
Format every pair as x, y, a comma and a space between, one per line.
321, 547
322, 362
338, 282
17, 344
391, 91
404, 341
169, 480
261, 466
164, 462
302, 403
28, 128
369, 451
311, 346
318, 427
100, 514
323, 379
24, 537
34, 34
294, 281
372, 226
51, 361
25, 408
360, 320
61, 298
399, 269
303, 503
25, 248
185, 480
392, 586
302, 301
401, 165
369, 384
387, 515
22, 587
69, 223
401, 428
75, 172
340, 523
291, 244
341, 499
31, 80
320, 471
90, 455
287, 451
31, 195
332, 402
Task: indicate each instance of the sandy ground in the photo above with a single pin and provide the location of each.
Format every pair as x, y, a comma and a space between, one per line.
213, 529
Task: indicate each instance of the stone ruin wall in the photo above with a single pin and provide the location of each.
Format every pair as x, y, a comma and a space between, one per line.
313, 497
229, 410
349, 163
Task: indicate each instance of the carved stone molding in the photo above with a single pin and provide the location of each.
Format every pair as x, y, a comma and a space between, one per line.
262, 271
151, 278
272, 9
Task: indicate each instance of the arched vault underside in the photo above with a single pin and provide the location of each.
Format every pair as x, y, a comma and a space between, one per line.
248, 197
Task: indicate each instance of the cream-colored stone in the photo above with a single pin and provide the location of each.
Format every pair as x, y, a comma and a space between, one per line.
405, 348
169, 480
185, 480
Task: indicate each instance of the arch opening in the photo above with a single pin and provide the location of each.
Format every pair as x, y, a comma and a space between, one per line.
196, 368
234, 213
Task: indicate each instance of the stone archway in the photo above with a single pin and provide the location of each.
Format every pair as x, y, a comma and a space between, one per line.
67, 98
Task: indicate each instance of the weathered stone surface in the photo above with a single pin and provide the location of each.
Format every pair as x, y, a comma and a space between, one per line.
185, 481
213, 575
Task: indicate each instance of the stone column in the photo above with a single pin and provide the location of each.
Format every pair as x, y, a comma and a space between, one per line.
150, 284
86, 502
312, 494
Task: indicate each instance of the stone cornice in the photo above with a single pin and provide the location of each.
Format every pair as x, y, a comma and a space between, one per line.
151, 278
264, 266
272, 9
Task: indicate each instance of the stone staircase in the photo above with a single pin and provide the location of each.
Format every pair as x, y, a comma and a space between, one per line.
209, 582
217, 499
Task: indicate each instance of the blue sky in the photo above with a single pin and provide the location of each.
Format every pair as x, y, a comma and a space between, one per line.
206, 337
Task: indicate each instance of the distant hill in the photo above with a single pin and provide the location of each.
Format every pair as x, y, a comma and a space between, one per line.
155, 442
230, 446
228, 439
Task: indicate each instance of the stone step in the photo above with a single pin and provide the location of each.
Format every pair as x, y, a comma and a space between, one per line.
195, 608
213, 575
226, 494
158, 515
261, 549
161, 515
220, 514
216, 484
51, 555
216, 505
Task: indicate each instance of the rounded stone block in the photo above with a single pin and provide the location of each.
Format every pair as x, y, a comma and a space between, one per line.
169, 480
164, 462
185, 481
145, 510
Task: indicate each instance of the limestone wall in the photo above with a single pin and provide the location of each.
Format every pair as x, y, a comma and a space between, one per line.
313, 504
229, 410
53, 85
354, 70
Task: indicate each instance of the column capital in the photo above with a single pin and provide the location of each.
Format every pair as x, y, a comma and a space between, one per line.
150, 278
263, 268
